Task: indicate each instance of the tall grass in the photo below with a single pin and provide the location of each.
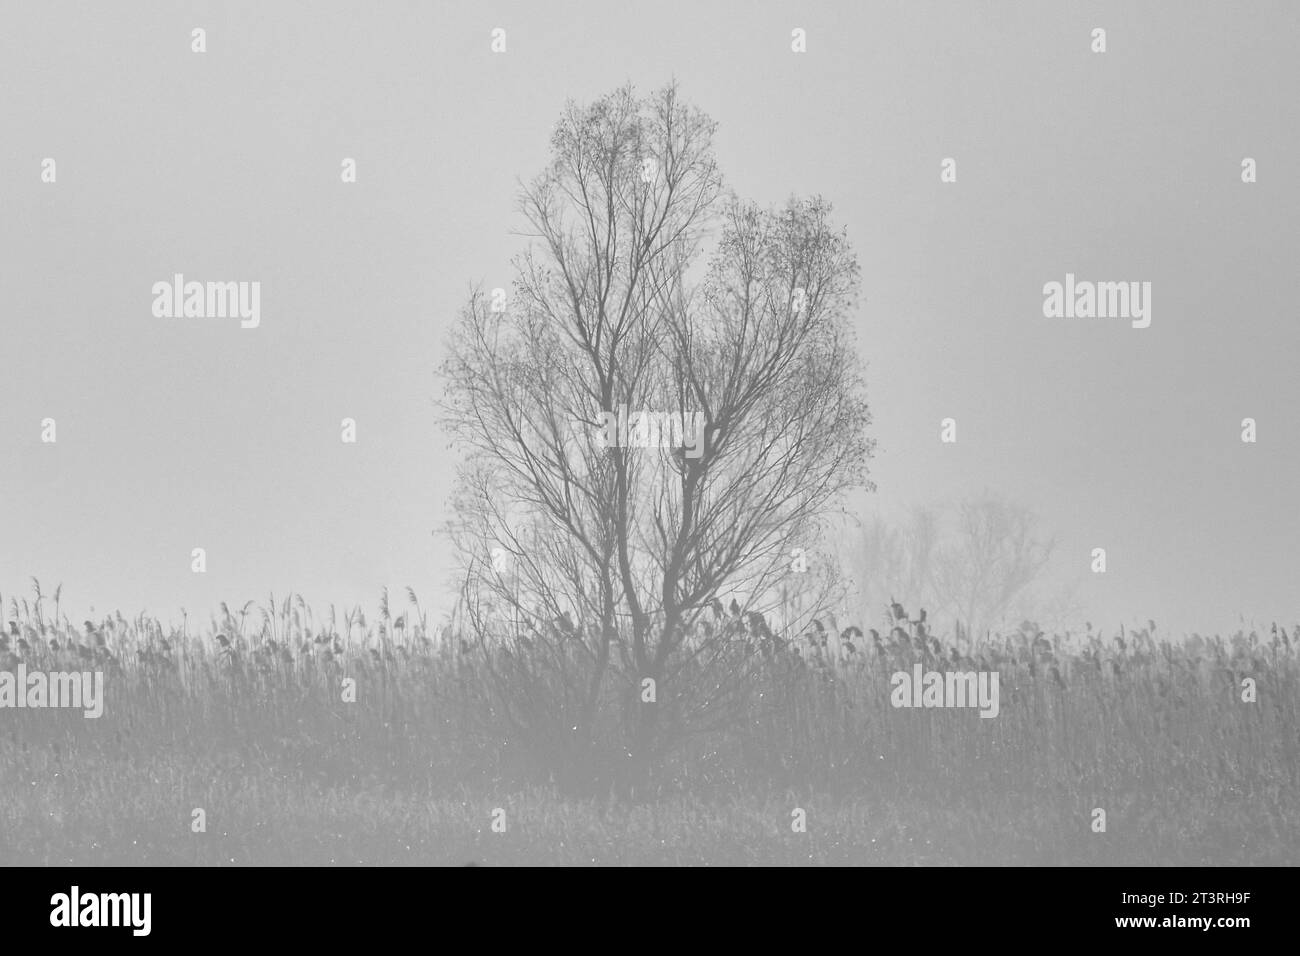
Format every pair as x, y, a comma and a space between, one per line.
245, 719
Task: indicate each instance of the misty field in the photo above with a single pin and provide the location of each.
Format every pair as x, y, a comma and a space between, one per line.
247, 722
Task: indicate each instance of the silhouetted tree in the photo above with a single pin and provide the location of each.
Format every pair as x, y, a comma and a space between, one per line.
608, 559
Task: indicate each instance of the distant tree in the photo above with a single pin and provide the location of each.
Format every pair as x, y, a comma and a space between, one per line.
972, 563
994, 556
599, 567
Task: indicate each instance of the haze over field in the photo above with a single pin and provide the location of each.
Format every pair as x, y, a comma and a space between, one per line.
183, 433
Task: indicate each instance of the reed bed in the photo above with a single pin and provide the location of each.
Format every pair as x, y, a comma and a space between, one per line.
243, 717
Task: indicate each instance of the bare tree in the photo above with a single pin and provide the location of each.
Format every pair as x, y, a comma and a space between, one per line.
973, 562
994, 557
601, 566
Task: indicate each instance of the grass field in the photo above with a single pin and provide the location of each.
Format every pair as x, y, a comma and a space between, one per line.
246, 722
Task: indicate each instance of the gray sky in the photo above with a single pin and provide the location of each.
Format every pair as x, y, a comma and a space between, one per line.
176, 433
